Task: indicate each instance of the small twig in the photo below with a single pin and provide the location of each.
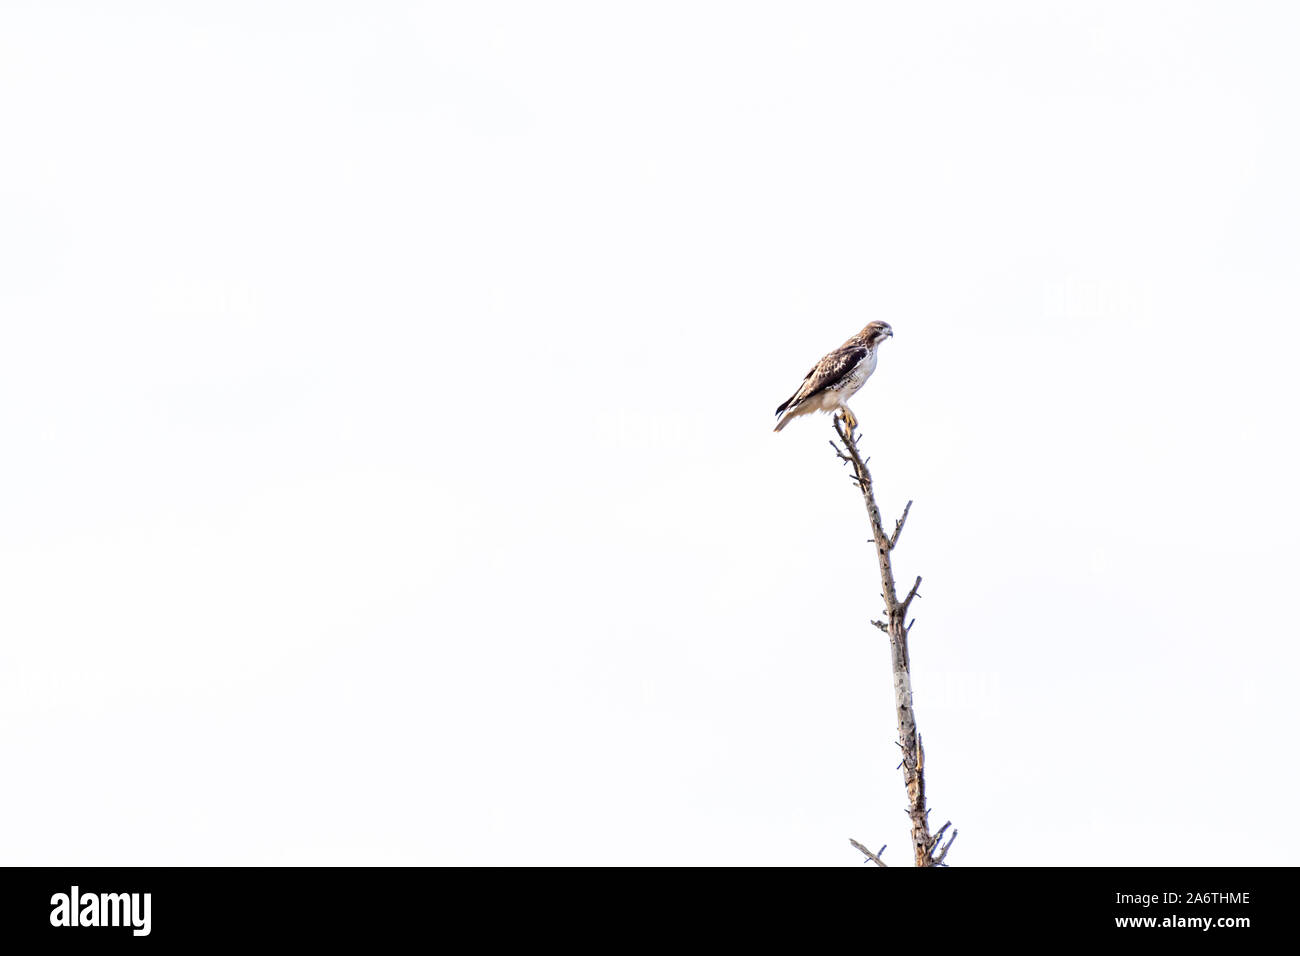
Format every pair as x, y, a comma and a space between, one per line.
938, 836
898, 528
873, 857
910, 594
882, 625
938, 860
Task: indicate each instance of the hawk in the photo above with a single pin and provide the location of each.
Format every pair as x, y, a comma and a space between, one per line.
833, 380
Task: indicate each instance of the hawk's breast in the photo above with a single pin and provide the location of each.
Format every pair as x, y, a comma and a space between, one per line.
857, 375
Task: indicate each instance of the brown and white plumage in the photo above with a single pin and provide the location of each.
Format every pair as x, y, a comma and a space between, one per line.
833, 381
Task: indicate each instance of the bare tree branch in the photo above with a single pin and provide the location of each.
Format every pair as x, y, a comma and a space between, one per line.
938, 860
898, 528
938, 835
873, 857
911, 594
909, 740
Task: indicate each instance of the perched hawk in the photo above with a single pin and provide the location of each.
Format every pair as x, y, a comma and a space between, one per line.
834, 379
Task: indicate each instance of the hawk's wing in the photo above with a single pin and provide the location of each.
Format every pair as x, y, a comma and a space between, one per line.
824, 374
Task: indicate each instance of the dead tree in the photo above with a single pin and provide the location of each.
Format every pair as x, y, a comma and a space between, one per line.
896, 626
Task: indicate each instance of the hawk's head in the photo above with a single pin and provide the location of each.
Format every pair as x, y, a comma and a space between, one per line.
875, 333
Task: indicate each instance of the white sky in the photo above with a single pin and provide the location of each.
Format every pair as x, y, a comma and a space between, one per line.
386, 399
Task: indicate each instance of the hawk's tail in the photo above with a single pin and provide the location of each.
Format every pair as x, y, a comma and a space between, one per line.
782, 408
785, 419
